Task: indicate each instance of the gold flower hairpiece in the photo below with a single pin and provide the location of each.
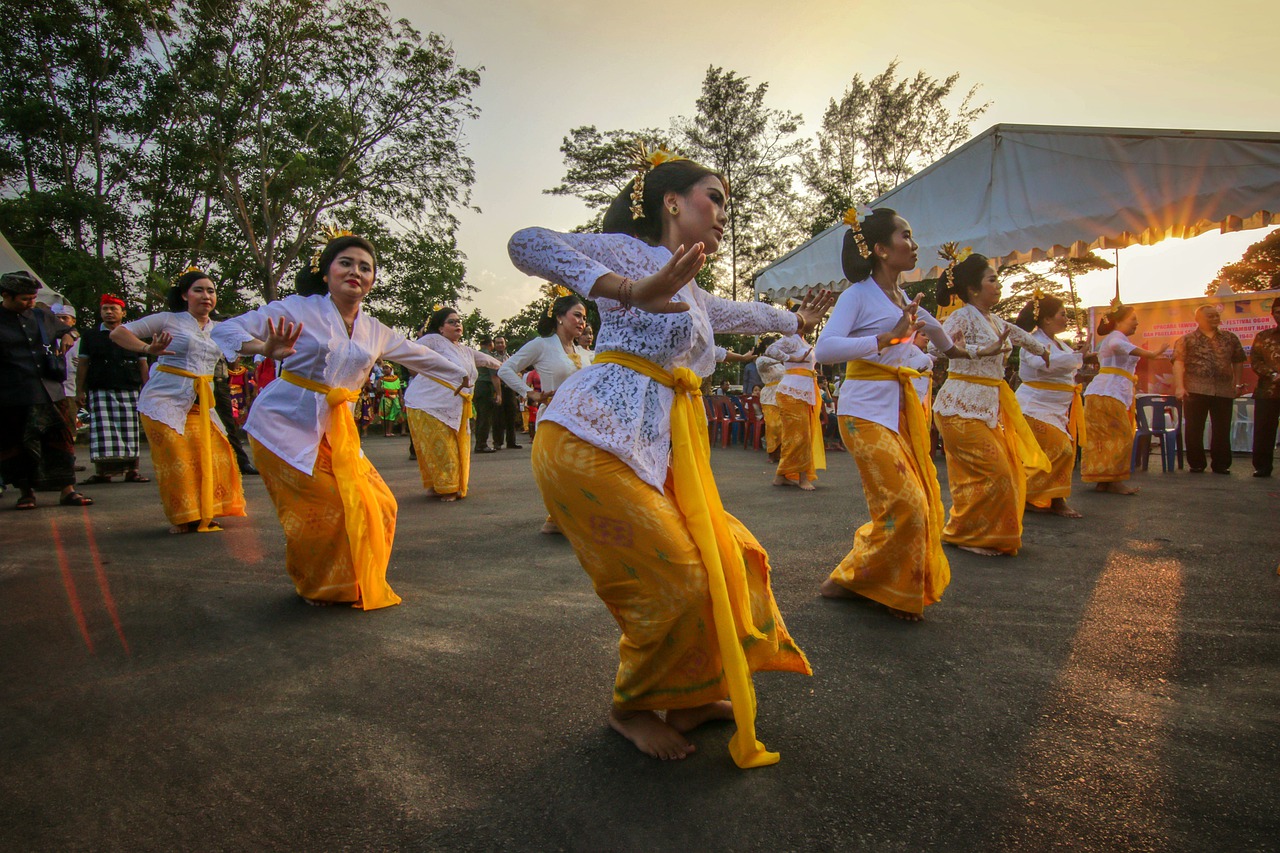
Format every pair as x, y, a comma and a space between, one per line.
190, 268
952, 254
851, 218
643, 160
1116, 306
328, 233
554, 292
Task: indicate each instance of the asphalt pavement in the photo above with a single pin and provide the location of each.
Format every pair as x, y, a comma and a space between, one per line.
1116, 686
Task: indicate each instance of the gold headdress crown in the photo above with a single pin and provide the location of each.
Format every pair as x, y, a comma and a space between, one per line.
952, 254
436, 307
1116, 306
328, 233
643, 160
554, 292
190, 268
851, 217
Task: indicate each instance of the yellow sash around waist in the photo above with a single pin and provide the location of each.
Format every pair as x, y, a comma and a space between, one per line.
919, 440
818, 447
1017, 435
204, 396
369, 553
462, 433
698, 501
1133, 398
1075, 420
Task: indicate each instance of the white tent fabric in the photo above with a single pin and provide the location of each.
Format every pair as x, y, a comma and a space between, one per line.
11, 261
1021, 193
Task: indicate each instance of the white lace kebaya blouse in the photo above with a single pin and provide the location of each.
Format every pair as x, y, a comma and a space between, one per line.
547, 356
427, 395
862, 313
795, 353
1050, 407
609, 406
167, 397
771, 371
967, 399
1114, 351
289, 420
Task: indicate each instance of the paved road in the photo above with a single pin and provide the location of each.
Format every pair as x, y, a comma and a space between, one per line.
1115, 686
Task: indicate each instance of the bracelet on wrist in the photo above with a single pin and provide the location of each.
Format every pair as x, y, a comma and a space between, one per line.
624, 292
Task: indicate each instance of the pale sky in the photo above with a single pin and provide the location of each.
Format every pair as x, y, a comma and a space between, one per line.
553, 65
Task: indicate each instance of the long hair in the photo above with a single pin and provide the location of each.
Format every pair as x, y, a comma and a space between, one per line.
965, 279
562, 306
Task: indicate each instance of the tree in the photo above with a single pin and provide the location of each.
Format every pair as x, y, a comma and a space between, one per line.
1256, 270
879, 133
598, 166
753, 146
476, 327
293, 129
1021, 280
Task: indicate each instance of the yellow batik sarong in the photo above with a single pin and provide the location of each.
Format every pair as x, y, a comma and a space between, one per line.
439, 453
988, 486
633, 542
772, 428
1107, 456
897, 557
180, 471
204, 436
1043, 487
797, 456
317, 552
735, 567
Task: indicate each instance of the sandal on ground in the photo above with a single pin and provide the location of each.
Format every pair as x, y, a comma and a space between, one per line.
135, 477
75, 499
26, 502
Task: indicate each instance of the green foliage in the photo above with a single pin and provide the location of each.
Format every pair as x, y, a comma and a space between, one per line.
879, 133
476, 326
753, 146
1019, 282
597, 166
1258, 269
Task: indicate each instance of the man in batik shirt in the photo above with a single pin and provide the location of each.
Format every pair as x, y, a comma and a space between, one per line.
1208, 366
1265, 361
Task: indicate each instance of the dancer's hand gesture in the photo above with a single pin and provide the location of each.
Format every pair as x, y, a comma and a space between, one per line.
997, 346
906, 327
653, 293
160, 344
814, 307
281, 339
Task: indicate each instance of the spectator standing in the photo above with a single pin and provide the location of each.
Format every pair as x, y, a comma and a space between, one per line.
33, 431
751, 381
1208, 372
510, 411
488, 400
108, 381
1265, 361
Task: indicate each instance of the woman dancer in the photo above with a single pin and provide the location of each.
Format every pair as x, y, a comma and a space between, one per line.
302, 431
1051, 401
196, 470
440, 416
622, 462
803, 450
990, 448
771, 372
1109, 401
897, 557
555, 354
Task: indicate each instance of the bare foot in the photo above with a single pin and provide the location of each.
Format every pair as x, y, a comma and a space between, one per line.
550, 528
449, 498
783, 481
1117, 488
687, 719
831, 589
905, 615
982, 552
650, 734
806, 485
318, 602
1060, 507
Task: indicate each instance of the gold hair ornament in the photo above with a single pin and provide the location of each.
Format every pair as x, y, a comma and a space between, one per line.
191, 268
554, 292
643, 161
1036, 296
851, 217
328, 233
1116, 307
952, 254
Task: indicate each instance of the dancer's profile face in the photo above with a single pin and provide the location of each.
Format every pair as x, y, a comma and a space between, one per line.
702, 216
1129, 324
1055, 325
574, 320
900, 253
989, 292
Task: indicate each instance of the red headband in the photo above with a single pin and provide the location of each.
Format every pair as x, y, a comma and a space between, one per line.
110, 299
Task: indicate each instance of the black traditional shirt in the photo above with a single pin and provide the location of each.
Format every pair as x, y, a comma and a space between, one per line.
1265, 361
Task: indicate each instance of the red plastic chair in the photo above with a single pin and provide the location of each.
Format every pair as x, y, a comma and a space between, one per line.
755, 422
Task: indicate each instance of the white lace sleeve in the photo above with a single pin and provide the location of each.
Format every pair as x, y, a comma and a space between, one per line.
746, 318
576, 261
232, 334
1023, 338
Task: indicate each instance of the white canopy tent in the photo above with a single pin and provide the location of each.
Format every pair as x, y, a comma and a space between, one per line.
1021, 193
11, 261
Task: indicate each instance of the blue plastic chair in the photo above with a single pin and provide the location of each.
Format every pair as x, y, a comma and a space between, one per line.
1160, 418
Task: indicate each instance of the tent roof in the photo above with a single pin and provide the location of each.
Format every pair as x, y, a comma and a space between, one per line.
1020, 193
11, 261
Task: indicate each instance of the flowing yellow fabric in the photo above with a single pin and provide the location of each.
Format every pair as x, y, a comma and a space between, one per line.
463, 434
1109, 455
204, 396
699, 503
1075, 418
1133, 400
1043, 488
179, 471
1016, 432
988, 485
363, 523
815, 419
437, 449
918, 438
772, 427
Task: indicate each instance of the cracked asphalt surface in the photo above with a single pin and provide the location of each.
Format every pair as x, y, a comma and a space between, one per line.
1116, 686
